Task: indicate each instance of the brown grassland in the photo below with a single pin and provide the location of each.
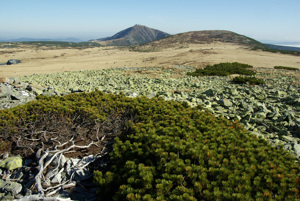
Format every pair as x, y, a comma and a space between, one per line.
48, 60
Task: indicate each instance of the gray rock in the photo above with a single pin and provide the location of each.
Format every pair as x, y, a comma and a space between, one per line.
207, 104
51, 174
78, 173
13, 61
11, 187
19, 95
28, 192
210, 92
261, 96
28, 162
17, 175
280, 93
288, 146
5, 155
297, 150
225, 102
244, 105
260, 115
57, 177
64, 194
5, 90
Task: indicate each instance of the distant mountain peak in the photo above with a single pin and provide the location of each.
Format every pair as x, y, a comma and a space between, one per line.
135, 35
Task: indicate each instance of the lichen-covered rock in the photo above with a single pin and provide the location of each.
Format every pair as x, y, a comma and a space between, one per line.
11, 163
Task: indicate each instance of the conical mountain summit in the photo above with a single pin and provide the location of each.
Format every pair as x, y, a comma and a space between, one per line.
135, 35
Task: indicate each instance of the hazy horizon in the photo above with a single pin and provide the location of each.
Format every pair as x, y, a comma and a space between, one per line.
81, 38
265, 20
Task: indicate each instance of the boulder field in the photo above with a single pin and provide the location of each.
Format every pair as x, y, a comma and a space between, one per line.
271, 111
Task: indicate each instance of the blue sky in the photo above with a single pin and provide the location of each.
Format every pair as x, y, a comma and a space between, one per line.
264, 20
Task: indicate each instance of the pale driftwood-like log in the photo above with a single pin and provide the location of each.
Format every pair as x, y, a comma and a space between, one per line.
38, 197
54, 140
63, 144
38, 182
56, 152
65, 150
39, 152
59, 187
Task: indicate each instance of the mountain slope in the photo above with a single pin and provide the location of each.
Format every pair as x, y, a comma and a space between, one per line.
135, 35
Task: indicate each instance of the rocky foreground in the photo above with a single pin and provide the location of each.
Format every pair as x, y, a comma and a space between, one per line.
271, 111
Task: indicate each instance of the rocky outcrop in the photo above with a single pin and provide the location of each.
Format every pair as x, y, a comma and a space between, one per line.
13, 92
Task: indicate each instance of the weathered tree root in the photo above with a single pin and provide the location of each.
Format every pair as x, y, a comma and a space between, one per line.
56, 153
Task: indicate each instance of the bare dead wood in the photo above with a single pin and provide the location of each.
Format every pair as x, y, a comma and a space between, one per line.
65, 143
54, 140
18, 146
58, 188
39, 151
38, 182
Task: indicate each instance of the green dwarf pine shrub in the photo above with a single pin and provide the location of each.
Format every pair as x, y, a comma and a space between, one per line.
224, 69
286, 68
248, 80
170, 151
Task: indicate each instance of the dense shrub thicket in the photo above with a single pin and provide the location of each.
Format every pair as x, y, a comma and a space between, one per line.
170, 151
248, 80
224, 69
62, 115
285, 68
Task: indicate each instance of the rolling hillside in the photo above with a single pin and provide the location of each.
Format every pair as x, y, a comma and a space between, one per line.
206, 37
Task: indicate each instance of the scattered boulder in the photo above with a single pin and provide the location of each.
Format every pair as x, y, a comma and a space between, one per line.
13, 61
14, 92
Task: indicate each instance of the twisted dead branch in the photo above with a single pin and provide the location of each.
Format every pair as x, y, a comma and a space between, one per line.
50, 138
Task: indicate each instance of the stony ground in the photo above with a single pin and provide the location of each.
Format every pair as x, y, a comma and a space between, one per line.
271, 111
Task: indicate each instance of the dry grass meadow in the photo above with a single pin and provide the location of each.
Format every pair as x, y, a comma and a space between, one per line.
47, 60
